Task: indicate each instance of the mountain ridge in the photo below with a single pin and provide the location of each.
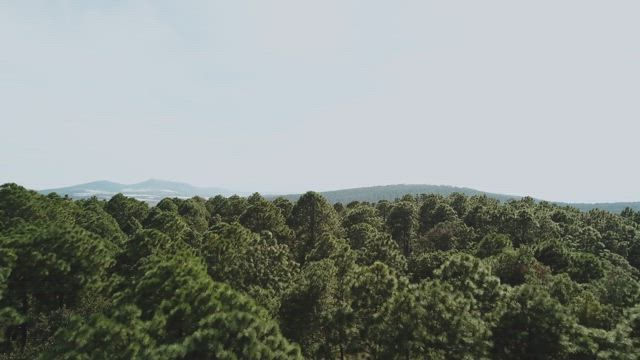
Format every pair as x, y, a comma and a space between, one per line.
391, 192
154, 190
150, 190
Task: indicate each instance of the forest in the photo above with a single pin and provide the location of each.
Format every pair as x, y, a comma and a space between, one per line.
421, 277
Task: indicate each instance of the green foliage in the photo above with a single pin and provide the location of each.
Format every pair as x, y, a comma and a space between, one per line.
8, 315
629, 330
17, 204
554, 254
402, 224
381, 248
585, 267
520, 224
423, 266
448, 235
128, 212
175, 311
515, 266
589, 240
362, 215
618, 288
195, 213
563, 289
431, 321
226, 209
248, 262
359, 234
419, 277
492, 244
171, 224
471, 277
140, 246
285, 206
371, 289
532, 326
441, 213
590, 312
53, 266
311, 217
262, 215
92, 217
308, 305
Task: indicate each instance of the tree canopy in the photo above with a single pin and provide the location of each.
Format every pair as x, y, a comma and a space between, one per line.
447, 276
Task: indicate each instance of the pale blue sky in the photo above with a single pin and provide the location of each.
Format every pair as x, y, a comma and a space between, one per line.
524, 97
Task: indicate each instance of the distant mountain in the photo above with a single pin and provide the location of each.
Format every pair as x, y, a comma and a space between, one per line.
614, 207
152, 190
392, 192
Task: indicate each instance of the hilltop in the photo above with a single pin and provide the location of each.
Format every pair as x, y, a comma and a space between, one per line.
154, 190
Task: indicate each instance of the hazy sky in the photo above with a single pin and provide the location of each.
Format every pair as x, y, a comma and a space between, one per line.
522, 97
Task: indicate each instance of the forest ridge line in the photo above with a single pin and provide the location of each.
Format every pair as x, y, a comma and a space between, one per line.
428, 276
154, 190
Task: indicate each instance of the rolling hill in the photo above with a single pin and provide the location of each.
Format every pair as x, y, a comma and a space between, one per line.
151, 190
154, 190
392, 192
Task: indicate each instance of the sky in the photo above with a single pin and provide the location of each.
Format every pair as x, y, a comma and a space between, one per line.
537, 98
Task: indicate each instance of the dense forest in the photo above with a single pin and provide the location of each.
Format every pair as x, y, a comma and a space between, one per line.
392, 192
420, 277
153, 191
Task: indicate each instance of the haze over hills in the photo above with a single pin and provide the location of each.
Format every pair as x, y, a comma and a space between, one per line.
153, 190
392, 192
